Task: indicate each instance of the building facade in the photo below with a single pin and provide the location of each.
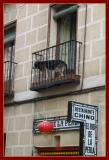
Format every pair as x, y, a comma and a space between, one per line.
53, 54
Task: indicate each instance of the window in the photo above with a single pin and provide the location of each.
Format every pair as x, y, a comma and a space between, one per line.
9, 52
9, 41
66, 24
66, 18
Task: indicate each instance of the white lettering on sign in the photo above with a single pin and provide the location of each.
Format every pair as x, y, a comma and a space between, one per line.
63, 123
90, 146
87, 114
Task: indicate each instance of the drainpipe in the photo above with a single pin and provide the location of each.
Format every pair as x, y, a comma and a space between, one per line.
84, 51
49, 23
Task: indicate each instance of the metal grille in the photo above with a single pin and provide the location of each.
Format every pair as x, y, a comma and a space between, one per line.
56, 65
9, 69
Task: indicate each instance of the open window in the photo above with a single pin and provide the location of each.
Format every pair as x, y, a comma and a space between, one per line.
66, 18
9, 53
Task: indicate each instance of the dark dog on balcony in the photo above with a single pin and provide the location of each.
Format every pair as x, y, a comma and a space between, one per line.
59, 71
52, 68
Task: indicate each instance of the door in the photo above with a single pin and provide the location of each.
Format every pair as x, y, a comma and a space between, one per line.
66, 31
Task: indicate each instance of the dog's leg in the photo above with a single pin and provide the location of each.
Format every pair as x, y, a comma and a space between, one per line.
63, 71
46, 73
53, 74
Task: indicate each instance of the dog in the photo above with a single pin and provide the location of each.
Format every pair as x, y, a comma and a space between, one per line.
58, 71
51, 69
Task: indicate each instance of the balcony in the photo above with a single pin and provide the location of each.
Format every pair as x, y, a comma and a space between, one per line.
57, 65
9, 69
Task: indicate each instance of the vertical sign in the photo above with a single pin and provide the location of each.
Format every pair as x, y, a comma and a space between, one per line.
88, 114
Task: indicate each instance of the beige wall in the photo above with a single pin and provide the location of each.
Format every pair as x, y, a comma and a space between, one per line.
18, 127
95, 38
68, 138
31, 36
18, 123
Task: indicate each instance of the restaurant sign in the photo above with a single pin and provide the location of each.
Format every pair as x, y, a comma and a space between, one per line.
60, 124
88, 114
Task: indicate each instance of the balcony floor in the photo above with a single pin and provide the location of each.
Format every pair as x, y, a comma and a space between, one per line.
44, 84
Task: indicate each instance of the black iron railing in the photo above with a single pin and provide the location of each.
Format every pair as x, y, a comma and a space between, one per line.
56, 65
9, 70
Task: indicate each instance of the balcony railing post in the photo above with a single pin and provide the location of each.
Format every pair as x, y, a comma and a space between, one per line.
79, 59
